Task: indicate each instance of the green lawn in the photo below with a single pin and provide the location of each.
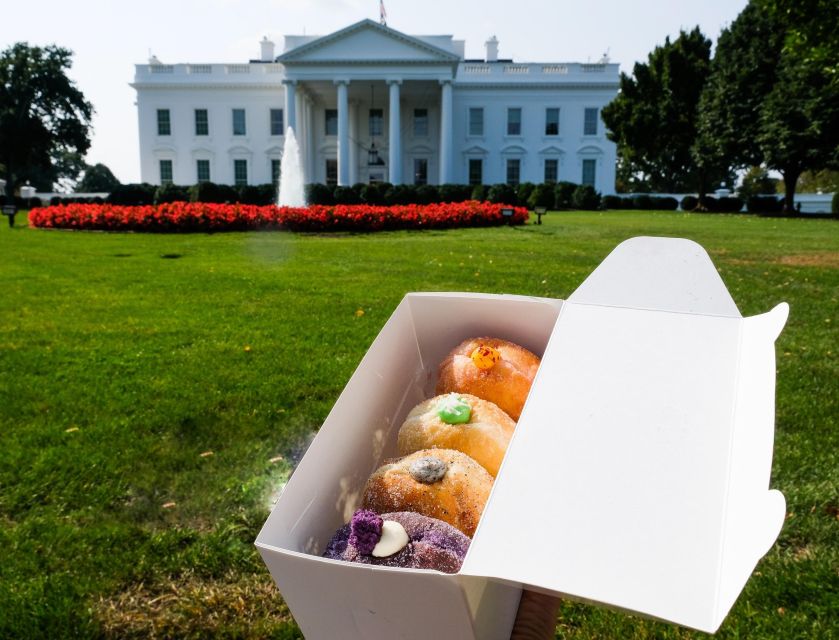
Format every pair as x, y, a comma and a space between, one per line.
156, 389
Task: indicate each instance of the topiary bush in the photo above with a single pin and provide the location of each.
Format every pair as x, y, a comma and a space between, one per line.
642, 201
479, 192
729, 204
665, 203
834, 204
502, 193
523, 192
613, 202
171, 193
585, 198
764, 204
689, 203
346, 195
563, 194
374, 194
541, 196
454, 192
133, 194
317, 193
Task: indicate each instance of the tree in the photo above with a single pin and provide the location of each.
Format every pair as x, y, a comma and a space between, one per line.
653, 118
756, 181
44, 118
767, 102
97, 178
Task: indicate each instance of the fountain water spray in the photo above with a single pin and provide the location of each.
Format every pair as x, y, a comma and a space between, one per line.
291, 192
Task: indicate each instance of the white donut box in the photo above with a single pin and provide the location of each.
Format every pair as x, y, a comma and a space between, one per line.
637, 477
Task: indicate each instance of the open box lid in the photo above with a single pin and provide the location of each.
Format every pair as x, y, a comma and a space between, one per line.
637, 476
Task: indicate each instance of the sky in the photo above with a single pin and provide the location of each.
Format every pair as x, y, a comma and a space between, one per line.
109, 37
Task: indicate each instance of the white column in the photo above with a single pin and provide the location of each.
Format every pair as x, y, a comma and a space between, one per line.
395, 137
446, 132
290, 104
310, 141
353, 142
343, 134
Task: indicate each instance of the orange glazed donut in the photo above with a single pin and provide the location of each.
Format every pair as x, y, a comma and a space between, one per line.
490, 368
462, 422
438, 483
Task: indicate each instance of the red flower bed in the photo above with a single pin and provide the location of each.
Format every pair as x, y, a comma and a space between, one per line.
197, 216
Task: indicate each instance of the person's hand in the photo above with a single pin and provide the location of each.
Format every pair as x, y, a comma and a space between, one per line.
536, 617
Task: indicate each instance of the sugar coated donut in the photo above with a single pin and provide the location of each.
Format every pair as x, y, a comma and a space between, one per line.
462, 422
490, 368
401, 539
438, 483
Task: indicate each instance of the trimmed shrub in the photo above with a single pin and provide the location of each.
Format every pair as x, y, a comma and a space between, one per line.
613, 202
479, 192
541, 196
689, 203
374, 194
523, 192
346, 195
665, 203
502, 193
132, 194
317, 193
427, 194
400, 194
643, 202
834, 204
171, 193
729, 204
563, 194
34, 202
585, 198
764, 204
453, 193
54, 201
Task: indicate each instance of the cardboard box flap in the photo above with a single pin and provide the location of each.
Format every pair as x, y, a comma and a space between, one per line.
754, 516
667, 274
615, 485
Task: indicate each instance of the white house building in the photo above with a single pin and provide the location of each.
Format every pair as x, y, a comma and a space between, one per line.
369, 103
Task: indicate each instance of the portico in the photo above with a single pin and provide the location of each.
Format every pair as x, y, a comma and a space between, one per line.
355, 76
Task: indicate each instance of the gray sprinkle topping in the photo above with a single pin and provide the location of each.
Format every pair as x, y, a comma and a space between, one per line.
428, 469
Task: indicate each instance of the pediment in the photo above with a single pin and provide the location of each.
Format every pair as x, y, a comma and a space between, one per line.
551, 150
590, 149
513, 149
476, 150
366, 41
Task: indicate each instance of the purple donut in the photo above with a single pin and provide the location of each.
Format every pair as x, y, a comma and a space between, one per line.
432, 543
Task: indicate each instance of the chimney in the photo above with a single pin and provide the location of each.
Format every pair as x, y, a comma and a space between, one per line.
267, 50
492, 49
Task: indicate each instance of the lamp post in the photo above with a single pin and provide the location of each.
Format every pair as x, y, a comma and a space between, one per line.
10, 210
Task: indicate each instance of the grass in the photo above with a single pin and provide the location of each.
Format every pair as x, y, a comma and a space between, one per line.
155, 390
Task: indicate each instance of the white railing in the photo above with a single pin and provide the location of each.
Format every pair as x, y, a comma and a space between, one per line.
237, 68
593, 68
272, 67
199, 68
561, 69
476, 68
516, 68
162, 68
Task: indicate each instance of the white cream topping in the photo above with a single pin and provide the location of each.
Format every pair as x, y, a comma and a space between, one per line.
393, 540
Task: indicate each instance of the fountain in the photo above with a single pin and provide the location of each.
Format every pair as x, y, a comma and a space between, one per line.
291, 174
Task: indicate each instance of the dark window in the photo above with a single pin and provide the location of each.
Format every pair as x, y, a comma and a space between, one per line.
202, 169
331, 124
420, 171
239, 128
165, 172
331, 172
164, 124
276, 122
202, 122
420, 122
514, 121
275, 170
240, 172
376, 122
551, 169
590, 124
476, 171
552, 121
476, 121
513, 171
589, 168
